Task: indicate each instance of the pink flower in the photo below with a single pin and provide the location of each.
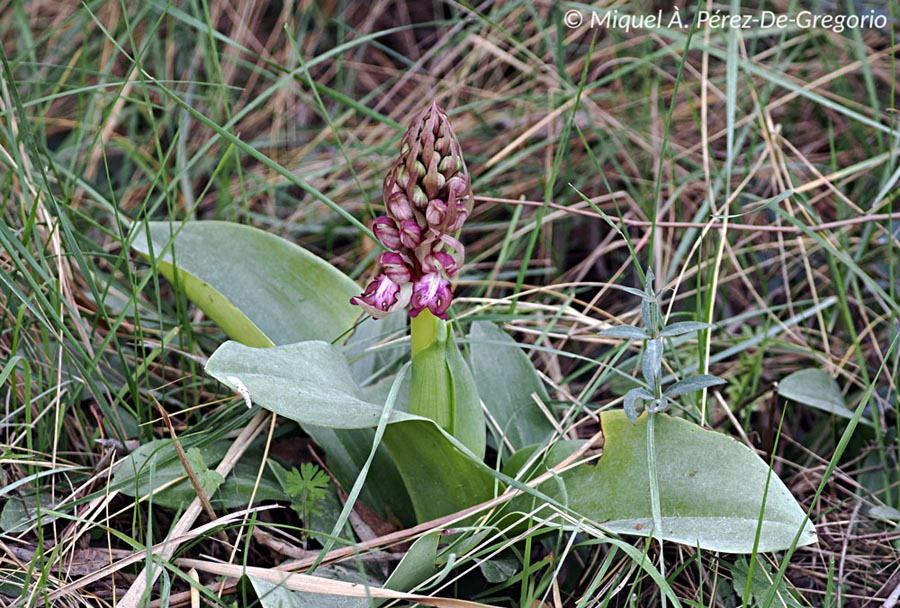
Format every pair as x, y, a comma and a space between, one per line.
435, 213
441, 260
432, 291
410, 234
396, 267
382, 297
387, 232
399, 206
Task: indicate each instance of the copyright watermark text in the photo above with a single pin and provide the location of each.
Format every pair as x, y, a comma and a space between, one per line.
574, 18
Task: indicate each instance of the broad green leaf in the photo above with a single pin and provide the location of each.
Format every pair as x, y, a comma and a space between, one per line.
309, 382
815, 388
259, 288
441, 475
506, 381
417, 565
711, 488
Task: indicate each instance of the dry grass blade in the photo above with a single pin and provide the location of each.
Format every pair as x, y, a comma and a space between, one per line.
136, 593
324, 586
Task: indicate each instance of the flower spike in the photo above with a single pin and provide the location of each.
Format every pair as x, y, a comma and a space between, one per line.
428, 196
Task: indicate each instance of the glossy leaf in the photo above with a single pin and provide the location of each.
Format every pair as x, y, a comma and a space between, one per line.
506, 381
259, 288
815, 388
711, 488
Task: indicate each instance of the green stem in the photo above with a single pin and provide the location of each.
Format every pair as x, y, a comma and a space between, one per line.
654, 494
424, 330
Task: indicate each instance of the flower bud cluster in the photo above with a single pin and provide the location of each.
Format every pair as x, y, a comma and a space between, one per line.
428, 196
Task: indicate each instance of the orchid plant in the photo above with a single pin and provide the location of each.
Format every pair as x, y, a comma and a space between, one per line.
428, 196
422, 458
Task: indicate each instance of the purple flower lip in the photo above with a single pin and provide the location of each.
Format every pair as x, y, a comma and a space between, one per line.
382, 297
432, 291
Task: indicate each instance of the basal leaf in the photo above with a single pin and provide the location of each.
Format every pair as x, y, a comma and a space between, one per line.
441, 476
259, 288
815, 388
711, 488
309, 382
506, 381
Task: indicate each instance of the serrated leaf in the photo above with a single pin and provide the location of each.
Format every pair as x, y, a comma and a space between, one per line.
506, 381
628, 332
692, 384
259, 288
686, 327
710, 488
815, 388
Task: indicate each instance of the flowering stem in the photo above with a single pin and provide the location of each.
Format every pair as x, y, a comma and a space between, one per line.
425, 328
